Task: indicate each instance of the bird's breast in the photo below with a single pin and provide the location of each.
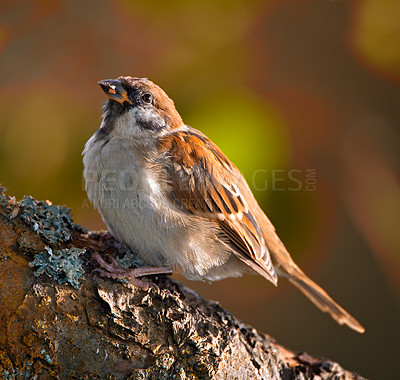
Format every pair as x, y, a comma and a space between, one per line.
129, 196
118, 182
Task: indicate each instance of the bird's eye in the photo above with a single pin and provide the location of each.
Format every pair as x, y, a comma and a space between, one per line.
147, 98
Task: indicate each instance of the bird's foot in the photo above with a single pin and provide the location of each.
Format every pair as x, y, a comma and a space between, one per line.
115, 271
106, 236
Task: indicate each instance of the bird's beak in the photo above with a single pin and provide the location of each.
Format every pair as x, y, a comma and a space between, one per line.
114, 90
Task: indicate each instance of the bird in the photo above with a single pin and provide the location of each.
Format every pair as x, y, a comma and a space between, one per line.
171, 195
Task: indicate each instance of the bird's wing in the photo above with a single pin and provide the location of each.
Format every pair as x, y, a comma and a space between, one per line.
203, 182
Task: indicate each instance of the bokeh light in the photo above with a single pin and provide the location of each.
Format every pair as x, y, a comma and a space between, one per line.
295, 93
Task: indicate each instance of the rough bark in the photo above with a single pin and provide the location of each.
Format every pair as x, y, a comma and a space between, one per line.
60, 320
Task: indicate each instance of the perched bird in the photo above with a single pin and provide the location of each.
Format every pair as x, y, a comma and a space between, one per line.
170, 194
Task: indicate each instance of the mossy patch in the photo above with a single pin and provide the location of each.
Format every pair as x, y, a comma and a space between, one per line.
63, 265
53, 223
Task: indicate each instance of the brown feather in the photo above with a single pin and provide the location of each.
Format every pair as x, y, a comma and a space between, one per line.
200, 177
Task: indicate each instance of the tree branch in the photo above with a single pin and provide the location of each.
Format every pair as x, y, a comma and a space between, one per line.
61, 320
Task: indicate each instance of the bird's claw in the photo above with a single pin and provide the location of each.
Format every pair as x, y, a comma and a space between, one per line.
115, 271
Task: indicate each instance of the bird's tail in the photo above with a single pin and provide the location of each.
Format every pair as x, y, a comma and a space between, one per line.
320, 298
286, 267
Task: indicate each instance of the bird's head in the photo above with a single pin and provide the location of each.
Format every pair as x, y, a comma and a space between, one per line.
137, 107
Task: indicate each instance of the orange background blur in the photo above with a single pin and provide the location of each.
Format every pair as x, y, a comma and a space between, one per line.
304, 97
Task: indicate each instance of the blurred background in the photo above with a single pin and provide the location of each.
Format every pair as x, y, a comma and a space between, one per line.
303, 96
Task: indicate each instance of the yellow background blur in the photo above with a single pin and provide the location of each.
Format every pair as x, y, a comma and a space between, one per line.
304, 97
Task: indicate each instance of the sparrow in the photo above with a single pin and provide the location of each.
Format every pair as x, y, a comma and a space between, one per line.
169, 193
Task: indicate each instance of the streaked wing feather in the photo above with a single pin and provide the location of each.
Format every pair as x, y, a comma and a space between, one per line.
202, 183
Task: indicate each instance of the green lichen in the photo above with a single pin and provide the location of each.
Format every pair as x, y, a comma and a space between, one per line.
127, 259
53, 223
63, 265
47, 357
